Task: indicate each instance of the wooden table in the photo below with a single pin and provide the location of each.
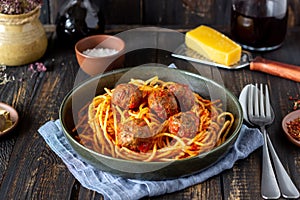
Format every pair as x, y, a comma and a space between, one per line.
29, 169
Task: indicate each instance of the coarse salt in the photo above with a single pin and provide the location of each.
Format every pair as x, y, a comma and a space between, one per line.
100, 52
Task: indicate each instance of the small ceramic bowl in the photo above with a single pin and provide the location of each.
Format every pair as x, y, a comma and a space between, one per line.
100, 63
13, 115
290, 117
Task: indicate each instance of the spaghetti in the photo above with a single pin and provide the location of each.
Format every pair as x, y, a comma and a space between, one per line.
141, 131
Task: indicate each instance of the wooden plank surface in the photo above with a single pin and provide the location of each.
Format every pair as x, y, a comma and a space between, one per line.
29, 169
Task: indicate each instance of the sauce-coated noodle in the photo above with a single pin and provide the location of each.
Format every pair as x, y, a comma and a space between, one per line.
100, 121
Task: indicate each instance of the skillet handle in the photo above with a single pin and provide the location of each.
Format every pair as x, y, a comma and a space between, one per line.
283, 70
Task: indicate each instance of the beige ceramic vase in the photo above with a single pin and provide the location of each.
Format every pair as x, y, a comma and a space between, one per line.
22, 38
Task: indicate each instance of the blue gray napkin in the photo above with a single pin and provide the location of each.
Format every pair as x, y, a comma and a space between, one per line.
115, 187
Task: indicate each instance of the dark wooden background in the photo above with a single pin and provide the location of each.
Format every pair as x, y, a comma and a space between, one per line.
30, 170
125, 14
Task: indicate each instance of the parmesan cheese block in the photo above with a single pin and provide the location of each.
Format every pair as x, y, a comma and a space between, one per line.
213, 45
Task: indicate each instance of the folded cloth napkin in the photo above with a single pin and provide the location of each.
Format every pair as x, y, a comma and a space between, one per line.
115, 187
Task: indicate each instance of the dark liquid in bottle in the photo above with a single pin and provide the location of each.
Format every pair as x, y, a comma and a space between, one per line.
78, 21
258, 32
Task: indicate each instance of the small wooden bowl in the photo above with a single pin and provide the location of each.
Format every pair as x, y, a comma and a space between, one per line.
97, 65
289, 117
13, 115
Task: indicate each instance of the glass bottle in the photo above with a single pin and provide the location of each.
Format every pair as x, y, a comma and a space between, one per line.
78, 19
259, 25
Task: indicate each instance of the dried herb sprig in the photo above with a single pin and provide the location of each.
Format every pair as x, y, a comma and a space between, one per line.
14, 7
4, 77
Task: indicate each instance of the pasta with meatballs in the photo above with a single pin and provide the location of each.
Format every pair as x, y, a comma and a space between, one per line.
152, 120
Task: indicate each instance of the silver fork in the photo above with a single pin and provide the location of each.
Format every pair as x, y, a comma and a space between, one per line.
260, 113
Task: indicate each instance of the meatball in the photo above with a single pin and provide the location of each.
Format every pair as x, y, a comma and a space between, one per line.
135, 135
184, 124
163, 103
184, 96
127, 96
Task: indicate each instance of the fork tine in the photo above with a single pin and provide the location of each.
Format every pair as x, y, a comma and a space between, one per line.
268, 104
261, 100
250, 101
256, 103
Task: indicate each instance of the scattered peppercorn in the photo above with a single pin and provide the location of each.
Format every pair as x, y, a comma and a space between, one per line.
296, 102
293, 128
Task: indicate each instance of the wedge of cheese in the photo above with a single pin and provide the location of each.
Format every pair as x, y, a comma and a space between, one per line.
213, 45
